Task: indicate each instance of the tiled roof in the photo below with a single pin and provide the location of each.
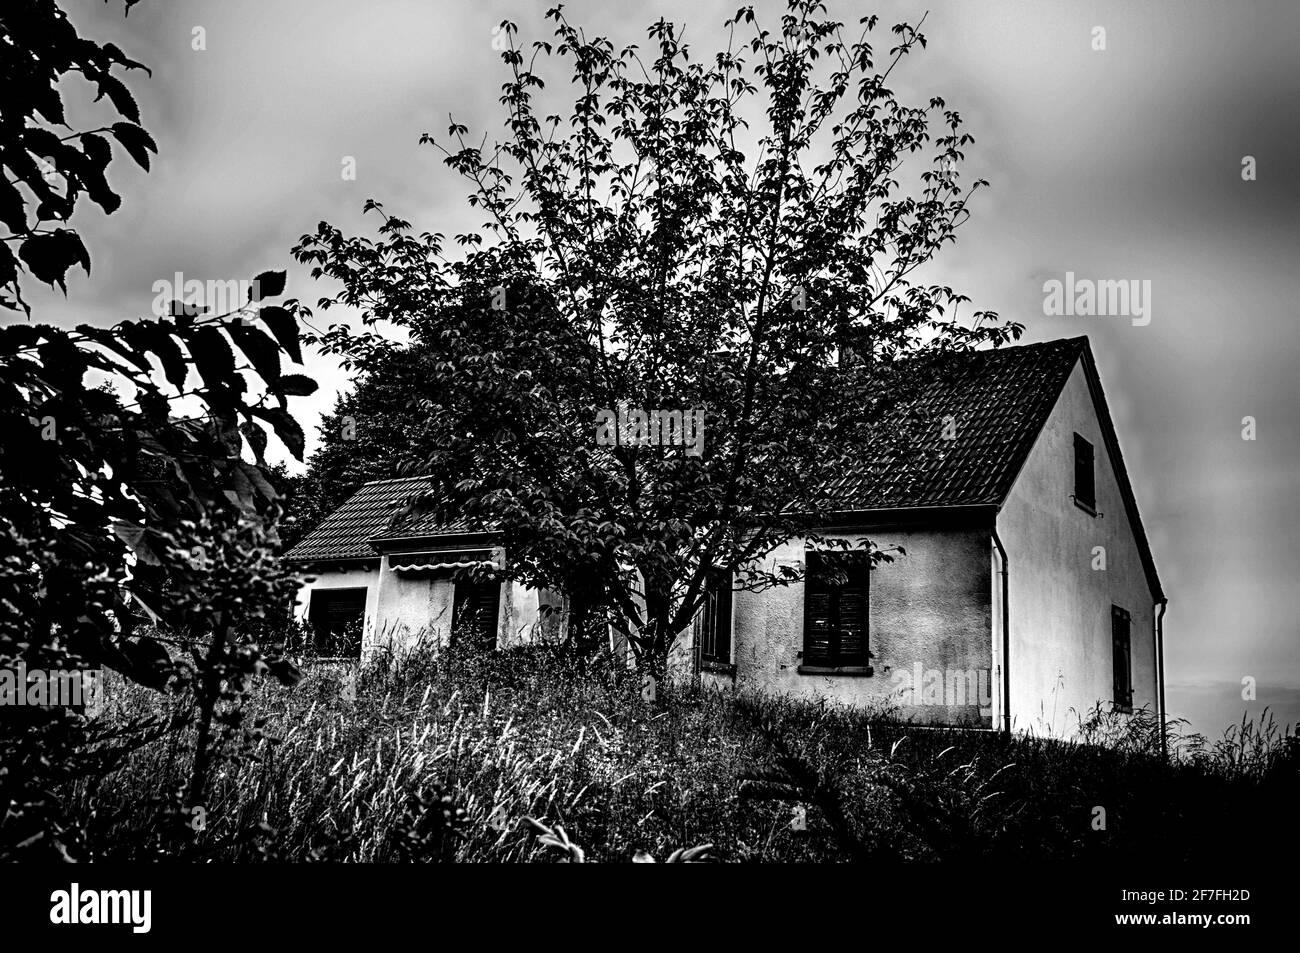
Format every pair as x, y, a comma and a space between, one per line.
376, 509
997, 400
965, 437
344, 533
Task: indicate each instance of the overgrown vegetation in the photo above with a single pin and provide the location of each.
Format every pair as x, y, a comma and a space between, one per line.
133, 479
440, 759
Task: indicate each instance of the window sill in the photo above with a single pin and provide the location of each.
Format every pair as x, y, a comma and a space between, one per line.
718, 668
858, 670
1090, 510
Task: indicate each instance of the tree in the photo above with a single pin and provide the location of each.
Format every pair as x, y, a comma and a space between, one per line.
727, 237
47, 173
143, 497
357, 443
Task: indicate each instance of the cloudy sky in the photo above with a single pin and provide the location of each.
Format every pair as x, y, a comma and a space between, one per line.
1122, 163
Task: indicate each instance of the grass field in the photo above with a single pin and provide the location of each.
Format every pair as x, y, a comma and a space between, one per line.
444, 758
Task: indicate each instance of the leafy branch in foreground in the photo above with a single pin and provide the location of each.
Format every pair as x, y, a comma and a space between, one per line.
134, 501
55, 171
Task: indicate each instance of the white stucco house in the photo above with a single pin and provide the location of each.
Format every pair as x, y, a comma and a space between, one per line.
1028, 592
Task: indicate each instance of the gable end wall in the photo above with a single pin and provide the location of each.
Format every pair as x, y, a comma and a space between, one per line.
1060, 606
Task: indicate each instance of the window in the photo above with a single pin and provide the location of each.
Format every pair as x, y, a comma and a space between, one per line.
1122, 654
474, 613
715, 619
835, 613
1085, 486
336, 617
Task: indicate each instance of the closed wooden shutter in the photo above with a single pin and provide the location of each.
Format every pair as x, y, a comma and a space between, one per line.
715, 619
331, 613
1122, 655
1085, 486
835, 610
852, 647
474, 614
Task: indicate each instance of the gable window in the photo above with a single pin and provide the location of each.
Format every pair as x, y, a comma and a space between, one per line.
835, 613
1085, 484
1122, 655
715, 620
336, 617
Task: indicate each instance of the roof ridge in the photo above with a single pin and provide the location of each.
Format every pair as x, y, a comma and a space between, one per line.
395, 480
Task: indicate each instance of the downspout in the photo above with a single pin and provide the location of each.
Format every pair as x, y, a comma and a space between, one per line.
1006, 633
1160, 674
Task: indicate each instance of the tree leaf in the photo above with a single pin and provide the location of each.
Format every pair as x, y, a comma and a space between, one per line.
256, 438
213, 357
118, 95
135, 141
259, 348
269, 284
285, 329
297, 385
169, 353
286, 428
49, 256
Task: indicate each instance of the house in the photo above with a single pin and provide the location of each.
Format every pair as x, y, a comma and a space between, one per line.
1028, 592
379, 577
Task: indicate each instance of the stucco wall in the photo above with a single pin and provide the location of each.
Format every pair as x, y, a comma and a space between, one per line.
1060, 606
415, 608
929, 628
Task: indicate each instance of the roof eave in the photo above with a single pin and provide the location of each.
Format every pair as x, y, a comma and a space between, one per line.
300, 562
382, 541
904, 515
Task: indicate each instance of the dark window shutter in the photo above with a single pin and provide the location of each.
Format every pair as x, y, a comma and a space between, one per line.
715, 623
1122, 655
330, 613
835, 609
818, 628
474, 613
853, 625
1085, 486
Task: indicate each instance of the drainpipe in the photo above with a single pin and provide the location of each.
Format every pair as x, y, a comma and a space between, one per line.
1006, 634
1160, 673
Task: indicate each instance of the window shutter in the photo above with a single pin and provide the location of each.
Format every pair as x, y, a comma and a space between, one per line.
715, 630
1085, 487
330, 613
853, 624
1121, 648
835, 609
819, 612
474, 612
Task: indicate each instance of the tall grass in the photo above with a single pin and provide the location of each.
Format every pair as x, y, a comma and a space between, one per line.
441, 757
